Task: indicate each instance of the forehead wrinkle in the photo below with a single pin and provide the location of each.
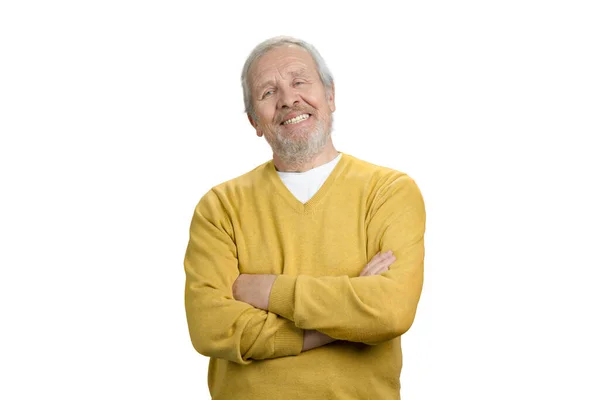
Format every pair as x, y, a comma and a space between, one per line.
294, 70
297, 73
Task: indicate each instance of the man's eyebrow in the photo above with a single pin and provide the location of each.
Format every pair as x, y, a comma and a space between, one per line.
265, 84
297, 73
293, 74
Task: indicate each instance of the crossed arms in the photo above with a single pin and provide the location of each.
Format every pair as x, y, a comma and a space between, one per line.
289, 314
255, 289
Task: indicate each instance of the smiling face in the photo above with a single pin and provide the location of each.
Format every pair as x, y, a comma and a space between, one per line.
293, 108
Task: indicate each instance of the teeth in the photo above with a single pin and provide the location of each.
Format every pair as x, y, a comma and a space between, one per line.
296, 119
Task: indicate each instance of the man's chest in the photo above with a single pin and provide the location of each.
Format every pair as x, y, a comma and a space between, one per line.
323, 243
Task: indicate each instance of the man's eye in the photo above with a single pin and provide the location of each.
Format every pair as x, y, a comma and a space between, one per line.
267, 93
298, 83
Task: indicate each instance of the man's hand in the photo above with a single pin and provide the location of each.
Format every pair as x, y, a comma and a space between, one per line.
378, 264
313, 339
254, 289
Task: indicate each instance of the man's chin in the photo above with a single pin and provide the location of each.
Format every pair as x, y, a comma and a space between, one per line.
299, 145
295, 133
298, 150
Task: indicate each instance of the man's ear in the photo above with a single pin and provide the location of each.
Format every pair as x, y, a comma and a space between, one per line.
254, 125
331, 97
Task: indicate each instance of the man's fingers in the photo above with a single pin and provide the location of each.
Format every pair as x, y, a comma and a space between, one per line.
389, 261
379, 263
384, 264
375, 258
379, 256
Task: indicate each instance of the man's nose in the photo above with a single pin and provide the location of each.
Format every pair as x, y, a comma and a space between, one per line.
288, 98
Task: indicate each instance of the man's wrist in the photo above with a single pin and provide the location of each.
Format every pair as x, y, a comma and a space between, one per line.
314, 339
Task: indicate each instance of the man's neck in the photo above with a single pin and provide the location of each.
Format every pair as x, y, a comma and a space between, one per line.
327, 155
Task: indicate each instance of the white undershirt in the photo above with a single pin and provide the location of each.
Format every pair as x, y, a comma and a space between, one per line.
304, 185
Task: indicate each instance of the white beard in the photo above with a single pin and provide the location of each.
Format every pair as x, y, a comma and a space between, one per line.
295, 150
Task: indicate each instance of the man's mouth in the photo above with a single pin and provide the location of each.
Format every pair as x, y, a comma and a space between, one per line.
295, 120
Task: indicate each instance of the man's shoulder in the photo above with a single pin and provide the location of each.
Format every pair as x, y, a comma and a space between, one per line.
248, 179
382, 183
389, 192
238, 185
375, 174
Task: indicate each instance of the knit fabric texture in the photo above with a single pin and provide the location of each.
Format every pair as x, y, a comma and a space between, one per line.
254, 225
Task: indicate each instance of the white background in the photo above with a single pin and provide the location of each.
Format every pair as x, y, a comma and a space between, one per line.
117, 116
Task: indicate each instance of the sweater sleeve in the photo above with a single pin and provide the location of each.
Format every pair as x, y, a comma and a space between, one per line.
368, 309
219, 325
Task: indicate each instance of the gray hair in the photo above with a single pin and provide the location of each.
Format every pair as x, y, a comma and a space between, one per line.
264, 47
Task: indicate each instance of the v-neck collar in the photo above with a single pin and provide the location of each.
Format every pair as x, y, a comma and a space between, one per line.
291, 200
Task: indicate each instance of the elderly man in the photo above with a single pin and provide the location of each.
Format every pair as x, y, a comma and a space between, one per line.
303, 273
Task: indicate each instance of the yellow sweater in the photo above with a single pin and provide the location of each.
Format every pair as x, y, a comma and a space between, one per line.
254, 225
